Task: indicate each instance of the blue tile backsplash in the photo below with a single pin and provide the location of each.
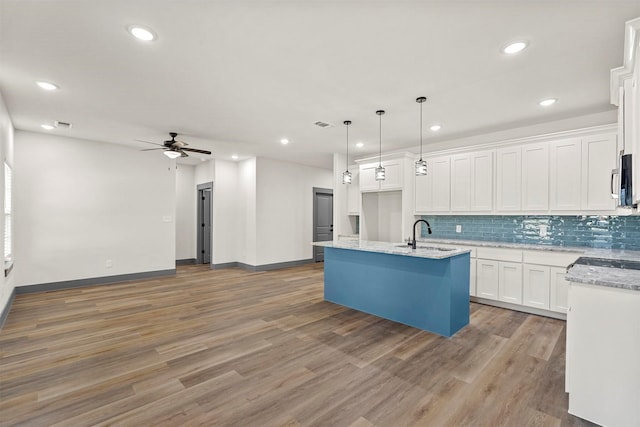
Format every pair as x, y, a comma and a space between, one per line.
609, 232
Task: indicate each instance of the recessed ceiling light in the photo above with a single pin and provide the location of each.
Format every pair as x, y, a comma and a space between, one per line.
359, 145
234, 157
284, 141
47, 127
547, 102
47, 85
142, 33
435, 128
514, 47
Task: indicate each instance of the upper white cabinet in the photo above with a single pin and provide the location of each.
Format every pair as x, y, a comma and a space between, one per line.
535, 177
566, 174
393, 176
599, 158
472, 182
432, 190
509, 179
353, 193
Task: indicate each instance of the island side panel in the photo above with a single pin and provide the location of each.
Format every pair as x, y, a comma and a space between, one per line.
419, 292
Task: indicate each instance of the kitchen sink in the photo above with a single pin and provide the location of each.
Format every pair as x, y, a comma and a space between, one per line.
428, 248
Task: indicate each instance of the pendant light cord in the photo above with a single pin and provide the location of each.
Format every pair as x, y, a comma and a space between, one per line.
421, 131
347, 148
380, 150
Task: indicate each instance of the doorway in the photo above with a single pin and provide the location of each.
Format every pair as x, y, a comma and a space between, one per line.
204, 223
322, 220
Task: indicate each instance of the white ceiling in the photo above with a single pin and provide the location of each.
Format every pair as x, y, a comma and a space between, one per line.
235, 77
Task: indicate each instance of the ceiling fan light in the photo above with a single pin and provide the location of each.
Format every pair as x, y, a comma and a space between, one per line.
172, 154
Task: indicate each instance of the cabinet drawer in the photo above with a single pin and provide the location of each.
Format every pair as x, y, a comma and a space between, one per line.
500, 254
554, 259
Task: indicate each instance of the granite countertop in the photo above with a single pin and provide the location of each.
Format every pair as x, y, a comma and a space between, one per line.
423, 251
588, 274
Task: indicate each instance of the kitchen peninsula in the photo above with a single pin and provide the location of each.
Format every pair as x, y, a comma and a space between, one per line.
426, 287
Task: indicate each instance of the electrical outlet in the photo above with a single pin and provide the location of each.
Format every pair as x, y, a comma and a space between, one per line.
543, 230
458, 229
109, 263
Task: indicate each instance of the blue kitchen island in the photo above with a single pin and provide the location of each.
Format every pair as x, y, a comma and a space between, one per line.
427, 287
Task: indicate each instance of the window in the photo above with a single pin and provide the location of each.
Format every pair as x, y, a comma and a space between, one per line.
8, 238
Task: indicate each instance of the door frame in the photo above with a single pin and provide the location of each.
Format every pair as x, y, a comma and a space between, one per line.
316, 191
200, 243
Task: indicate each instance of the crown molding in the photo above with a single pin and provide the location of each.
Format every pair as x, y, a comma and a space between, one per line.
625, 72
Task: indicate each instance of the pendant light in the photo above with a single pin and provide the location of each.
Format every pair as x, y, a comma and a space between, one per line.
346, 175
421, 165
380, 170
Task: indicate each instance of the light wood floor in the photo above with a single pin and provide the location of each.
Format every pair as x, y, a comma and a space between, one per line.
228, 347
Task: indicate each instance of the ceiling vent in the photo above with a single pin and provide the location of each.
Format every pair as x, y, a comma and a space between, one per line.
62, 125
323, 124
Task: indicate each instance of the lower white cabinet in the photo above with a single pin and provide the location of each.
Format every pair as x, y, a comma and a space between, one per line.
510, 282
559, 290
487, 278
536, 287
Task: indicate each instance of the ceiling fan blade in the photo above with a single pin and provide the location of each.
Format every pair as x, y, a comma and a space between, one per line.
195, 150
180, 143
153, 149
183, 154
147, 142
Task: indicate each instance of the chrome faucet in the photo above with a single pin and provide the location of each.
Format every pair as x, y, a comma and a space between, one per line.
413, 243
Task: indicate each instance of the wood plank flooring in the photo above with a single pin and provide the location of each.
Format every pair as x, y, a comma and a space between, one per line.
232, 348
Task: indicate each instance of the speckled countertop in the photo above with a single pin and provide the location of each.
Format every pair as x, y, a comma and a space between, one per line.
423, 251
592, 275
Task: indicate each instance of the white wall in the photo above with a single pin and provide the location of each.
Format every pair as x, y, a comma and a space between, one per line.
285, 209
226, 212
205, 172
79, 203
6, 151
186, 217
247, 211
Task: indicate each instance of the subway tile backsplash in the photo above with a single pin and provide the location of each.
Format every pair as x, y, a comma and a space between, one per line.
610, 232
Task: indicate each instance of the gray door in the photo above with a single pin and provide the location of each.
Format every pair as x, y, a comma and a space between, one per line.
322, 220
204, 224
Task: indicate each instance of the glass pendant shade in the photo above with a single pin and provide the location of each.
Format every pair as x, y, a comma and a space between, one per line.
172, 154
421, 167
380, 173
346, 177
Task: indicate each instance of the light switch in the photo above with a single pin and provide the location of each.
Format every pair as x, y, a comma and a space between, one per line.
458, 229
543, 230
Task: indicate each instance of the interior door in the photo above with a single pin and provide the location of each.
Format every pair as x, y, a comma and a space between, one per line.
322, 220
204, 223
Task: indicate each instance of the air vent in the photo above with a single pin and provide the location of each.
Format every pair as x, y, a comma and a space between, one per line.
323, 124
62, 125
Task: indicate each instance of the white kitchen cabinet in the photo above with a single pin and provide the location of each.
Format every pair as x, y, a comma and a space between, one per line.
461, 183
509, 179
599, 157
432, 190
510, 282
353, 192
558, 290
472, 182
565, 174
535, 177
472, 277
603, 350
536, 286
487, 278
393, 176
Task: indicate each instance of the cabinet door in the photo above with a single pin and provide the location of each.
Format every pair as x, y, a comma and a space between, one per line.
559, 290
487, 278
472, 278
535, 177
599, 157
510, 282
423, 194
566, 174
353, 194
393, 175
482, 181
509, 179
461, 183
439, 184
368, 178
535, 286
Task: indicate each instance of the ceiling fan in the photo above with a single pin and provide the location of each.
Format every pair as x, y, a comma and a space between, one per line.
174, 148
